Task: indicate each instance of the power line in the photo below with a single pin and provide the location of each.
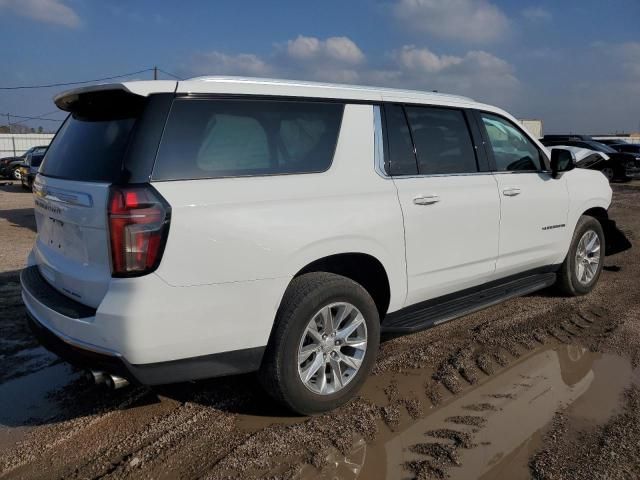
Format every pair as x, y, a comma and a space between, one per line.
76, 83
51, 113
170, 74
34, 118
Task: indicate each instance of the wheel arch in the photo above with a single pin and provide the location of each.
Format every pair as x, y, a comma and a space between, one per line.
599, 213
362, 268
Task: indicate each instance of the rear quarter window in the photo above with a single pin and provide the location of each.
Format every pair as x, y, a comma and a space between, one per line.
213, 138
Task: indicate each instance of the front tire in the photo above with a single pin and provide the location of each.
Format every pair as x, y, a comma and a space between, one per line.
323, 345
581, 268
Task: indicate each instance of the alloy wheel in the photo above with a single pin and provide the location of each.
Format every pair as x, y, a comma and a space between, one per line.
332, 348
587, 257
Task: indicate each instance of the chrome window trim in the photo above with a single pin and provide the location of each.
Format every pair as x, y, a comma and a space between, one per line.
437, 175
507, 172
378, 155
378, 145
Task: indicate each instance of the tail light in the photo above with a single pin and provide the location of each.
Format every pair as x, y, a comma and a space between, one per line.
138, 227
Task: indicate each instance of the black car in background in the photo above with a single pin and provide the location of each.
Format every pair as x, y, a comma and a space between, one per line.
30, 168
10, 166
617, 168
632, 148
607, 141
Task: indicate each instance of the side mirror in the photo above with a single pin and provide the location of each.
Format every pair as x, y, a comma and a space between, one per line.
561, 161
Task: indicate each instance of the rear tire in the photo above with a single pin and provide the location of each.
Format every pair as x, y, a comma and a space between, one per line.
581, 268
300, 333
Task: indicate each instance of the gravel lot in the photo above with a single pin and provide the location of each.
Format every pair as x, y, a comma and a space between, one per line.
540, 386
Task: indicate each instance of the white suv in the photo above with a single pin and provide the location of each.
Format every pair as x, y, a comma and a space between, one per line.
223, 225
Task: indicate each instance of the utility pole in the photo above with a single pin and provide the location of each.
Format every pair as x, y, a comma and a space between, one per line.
155, 72
9, 122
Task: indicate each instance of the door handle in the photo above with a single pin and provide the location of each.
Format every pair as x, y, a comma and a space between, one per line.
511, 191
426, 199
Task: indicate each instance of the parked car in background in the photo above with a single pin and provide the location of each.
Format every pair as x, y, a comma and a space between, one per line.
10, 166
617, 168
223, 225
631, 148
607, 141
565, 136
29, 170
584, 157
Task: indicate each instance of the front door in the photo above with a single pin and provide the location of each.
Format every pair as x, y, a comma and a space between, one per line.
534, 205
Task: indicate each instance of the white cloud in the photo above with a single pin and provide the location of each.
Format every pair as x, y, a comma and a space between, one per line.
422, 59
333, 49
335, 59
47, 11
477, 73
536, 14
476, 21
218, 63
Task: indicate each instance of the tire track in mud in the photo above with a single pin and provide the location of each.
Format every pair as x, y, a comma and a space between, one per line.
47, 439
122, 444
453, 375
310, 442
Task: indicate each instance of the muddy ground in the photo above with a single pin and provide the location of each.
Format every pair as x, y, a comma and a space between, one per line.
537, 387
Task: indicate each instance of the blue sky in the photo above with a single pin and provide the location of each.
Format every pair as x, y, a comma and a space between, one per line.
573, 64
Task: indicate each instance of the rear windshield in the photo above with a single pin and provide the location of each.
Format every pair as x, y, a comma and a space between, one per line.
91, 143
225, 138
88, 149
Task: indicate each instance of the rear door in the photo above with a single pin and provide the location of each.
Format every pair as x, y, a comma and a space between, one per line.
534, 205
72, 190
449, 200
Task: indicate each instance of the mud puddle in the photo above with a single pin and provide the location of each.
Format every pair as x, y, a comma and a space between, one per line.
492, 429
27, 401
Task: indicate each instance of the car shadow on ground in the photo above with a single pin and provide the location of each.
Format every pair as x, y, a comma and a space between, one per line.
238, 394
17, 217
10, 186
20, 217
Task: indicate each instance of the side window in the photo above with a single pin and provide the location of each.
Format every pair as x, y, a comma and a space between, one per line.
401, 159
442, 139
512, 149
233, 142
226, 138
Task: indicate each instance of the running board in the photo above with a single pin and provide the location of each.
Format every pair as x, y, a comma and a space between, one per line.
433, 312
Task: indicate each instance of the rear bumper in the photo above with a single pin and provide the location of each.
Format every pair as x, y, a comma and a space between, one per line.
50, 312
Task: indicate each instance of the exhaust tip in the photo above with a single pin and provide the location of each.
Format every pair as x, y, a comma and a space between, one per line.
97, 376
115, 382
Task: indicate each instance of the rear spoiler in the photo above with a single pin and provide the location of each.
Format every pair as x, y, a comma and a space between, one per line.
80, 98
